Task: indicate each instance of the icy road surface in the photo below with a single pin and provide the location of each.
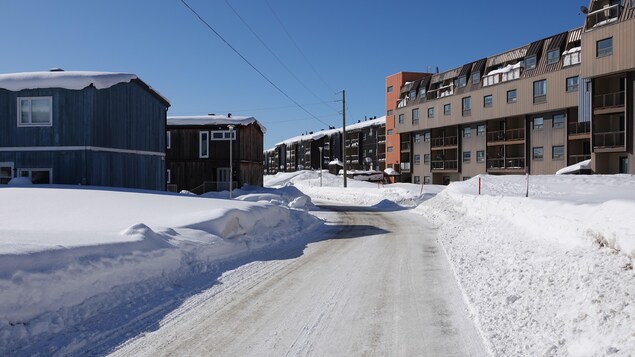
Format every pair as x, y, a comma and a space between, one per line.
374, 286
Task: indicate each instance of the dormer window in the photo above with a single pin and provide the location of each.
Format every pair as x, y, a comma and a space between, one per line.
412, 95
553, 56
530, 62
476, 77
462, 81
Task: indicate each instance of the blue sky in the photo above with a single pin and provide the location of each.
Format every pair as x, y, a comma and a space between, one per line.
351, 45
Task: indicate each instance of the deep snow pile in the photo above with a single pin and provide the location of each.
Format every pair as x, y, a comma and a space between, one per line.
359, 193
67, 254
547, 275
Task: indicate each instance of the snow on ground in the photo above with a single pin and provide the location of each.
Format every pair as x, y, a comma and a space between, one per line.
360, 193
66, 251
546, 275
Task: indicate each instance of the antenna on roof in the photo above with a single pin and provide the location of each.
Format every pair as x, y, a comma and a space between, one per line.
583, 10
437, 69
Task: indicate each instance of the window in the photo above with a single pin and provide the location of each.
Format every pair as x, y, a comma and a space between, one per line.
168, 176
37, 176
203, 148
604, 47
540, 91
467, 132
389, 89
422, 92
557, 152
417, 179
426, 159
417, 159
426, 180
553, 56
538, 123
401, 118
480, 130
168, 140
476, 77
572, 84
389, 132
389, 149
6, 172
467, 106
511, 96
35, 111
412, 95
537, 153
530, 62
218, 135
467, 156
415, 116
446, 109
462, 81
480, 156
488, 100
417, 138
431, 112
426, 136
558, 121
390, 112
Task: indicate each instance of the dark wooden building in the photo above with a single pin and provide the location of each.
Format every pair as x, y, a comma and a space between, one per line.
198, 152
89, 128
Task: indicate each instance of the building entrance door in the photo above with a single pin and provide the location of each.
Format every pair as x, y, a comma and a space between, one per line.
6, 172
624, 164
222, 178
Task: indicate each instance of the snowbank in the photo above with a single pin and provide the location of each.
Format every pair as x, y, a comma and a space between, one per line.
67, 253
536, 270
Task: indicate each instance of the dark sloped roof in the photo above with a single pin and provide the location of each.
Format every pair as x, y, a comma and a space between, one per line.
465, 70
535, 48
557, 41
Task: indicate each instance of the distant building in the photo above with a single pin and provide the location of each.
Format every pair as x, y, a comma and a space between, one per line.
198, 152
88, 128
365, 148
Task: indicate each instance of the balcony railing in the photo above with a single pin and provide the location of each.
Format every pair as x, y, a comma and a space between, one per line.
506, 135
404, 146
573, 56
574, 159
405, 166
507, 163
446, 141
608, 140
579, 128
444, 164
609, 100
603, 16
440, 92
505, 74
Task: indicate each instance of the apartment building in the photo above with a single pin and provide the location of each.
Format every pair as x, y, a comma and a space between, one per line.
533, 109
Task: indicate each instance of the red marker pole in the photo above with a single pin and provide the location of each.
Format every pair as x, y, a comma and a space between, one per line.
479, 185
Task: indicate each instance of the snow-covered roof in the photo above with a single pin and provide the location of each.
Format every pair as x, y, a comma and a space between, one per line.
391, 172
320, 134
75, 80
214, 120
336, 162
575, 168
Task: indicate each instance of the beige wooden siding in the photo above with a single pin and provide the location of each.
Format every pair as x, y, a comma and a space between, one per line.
547, 138
623, 57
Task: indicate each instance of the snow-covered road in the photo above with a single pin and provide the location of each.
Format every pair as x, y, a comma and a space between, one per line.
373, 286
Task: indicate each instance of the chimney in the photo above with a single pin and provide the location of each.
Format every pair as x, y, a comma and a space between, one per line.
211, 114
56, 69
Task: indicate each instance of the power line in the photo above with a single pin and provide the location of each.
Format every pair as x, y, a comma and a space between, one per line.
247, 110
274, 55
249, 63
298, 47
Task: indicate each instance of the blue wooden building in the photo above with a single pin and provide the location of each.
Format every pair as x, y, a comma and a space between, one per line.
88, 128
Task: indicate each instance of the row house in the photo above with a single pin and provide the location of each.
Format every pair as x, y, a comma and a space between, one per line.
534, 109
364, 143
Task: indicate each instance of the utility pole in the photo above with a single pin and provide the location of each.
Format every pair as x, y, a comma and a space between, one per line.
344, 134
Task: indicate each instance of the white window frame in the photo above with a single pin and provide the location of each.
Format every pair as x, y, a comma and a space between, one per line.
30, 123
168, 140
225, 135
168, 173
30, 172
203, 138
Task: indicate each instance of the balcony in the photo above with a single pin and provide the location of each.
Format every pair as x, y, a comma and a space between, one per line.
448, 141
574, 159
506, 135
505, 74
509, 163
440, 92
572, 56
405, 167
579, 129
608, 102
608, 140
404, 147
444, 165
603, 16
